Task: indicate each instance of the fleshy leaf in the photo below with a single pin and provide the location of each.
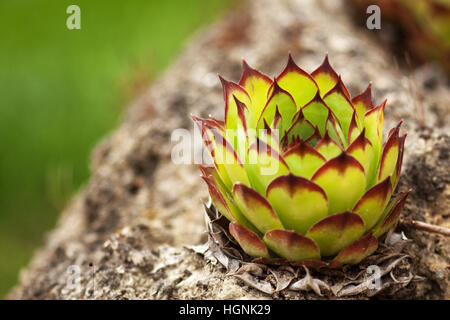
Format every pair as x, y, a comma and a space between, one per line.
256, 208
391, 156
301, 128
277, 122
392, 216
264, 165
357, 251
335, 232
218, 199
205, 126
281, 100
335, 130
257, 85
316, 112
363, 102
361, 149
315, 138
227, 161
241, 111
338, 101
298, 202
303, 160
293, 78
328, 148
291, 245
373, 123
213, 173
225, 205
398, 169
209, 129
371, 206
270, 136
239, 138
248, 240
353, 130
343, 180
325, 76
230, 91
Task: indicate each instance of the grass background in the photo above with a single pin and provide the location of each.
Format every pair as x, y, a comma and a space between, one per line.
61, 90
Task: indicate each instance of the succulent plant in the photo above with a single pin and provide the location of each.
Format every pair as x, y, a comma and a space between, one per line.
300, 170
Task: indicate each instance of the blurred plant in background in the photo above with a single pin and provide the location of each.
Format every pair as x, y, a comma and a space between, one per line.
423, 27
61, 90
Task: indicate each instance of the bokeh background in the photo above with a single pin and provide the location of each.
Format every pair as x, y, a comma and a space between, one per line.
62, 90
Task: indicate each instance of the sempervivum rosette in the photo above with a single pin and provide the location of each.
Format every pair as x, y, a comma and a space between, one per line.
300, 168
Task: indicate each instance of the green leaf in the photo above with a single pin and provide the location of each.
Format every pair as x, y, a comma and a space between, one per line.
354, 129
317, 112
256, 208
298, 202
301, 128
361, 149
270, 136
264, 165
315, 138
343, 180
293, 78
231, 91
214, 174
257, 85
338, 101
248, 240
373, 123
291, 245
303, 160
357, 251
391, 158
390, 219
328, 148
335, 130
225, 205
239, 138
363, 102
280, 99
227, 161
371, 206
325, 76
335, 232
208, 128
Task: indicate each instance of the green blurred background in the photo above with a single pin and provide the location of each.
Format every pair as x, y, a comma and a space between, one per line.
62, 90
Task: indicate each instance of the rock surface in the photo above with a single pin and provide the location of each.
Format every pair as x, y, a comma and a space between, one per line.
126, 235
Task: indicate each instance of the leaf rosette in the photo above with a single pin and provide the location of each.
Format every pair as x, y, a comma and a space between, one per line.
300, 168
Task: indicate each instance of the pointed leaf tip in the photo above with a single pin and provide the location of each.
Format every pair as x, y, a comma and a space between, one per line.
248, 73
325, 77
363, 101
392, 216
325, 67
327, 147
292, 78
391, 157
339, 87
